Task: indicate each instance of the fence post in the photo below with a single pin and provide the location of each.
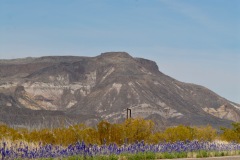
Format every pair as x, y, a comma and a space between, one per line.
129, 113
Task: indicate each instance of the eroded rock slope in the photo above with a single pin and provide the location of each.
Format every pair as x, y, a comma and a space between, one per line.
52, 91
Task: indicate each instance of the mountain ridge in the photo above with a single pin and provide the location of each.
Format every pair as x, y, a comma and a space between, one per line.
103, 87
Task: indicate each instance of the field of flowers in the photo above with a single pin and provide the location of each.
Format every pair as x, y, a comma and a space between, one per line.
132, 139
80, 149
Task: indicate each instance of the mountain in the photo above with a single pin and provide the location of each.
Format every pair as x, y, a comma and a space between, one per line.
62, 90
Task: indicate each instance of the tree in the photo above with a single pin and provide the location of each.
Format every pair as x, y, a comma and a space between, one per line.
137, 129
231, 134
104, 131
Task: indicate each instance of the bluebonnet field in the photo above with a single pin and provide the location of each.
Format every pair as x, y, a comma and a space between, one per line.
23, 151
132, 137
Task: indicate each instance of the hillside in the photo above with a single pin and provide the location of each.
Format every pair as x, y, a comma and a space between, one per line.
52, 91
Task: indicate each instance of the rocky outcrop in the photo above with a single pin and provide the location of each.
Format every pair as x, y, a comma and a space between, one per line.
88, 89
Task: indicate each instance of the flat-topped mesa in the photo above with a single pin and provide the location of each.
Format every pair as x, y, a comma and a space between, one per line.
115, 54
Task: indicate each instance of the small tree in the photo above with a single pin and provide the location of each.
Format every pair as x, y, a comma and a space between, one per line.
104, 131
231, 134
137, 129
205, 133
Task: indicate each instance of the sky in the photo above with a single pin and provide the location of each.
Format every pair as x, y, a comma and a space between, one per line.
195, 41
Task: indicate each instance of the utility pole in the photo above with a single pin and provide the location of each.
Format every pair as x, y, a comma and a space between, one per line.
129, 113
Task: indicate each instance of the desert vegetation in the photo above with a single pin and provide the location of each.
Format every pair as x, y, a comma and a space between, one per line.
132, 138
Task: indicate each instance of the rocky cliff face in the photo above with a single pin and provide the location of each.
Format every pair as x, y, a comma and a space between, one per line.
65, 90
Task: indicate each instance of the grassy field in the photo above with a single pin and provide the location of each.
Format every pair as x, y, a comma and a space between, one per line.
151, 156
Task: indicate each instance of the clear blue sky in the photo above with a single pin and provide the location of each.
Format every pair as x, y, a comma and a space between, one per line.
194, 41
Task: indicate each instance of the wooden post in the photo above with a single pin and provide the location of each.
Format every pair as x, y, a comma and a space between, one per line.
129, 113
